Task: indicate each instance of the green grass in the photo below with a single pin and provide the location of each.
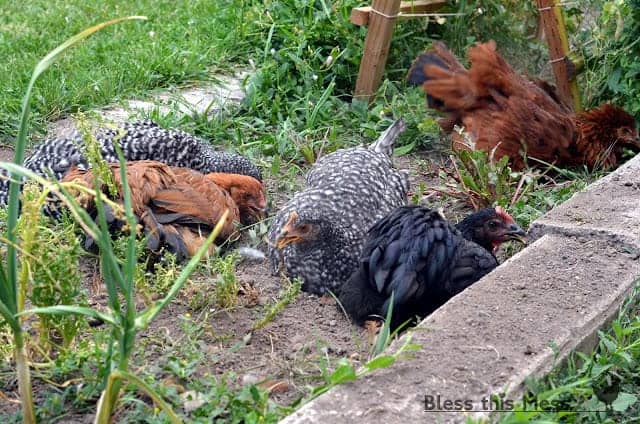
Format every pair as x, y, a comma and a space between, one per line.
181, 41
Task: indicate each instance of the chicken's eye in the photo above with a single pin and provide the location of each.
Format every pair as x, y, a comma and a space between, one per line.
304, 228
493, 225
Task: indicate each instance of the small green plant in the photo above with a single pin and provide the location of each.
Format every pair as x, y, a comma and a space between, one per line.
484, 181
226, 290
346, 372
533, 204
50, 258
286, 297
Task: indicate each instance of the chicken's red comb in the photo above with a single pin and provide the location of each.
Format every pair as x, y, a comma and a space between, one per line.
504, 215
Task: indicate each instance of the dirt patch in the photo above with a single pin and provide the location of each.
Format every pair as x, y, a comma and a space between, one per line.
6, 154
287, 349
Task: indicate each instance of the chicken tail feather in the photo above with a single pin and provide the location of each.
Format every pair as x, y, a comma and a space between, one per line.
439, 63
388, 138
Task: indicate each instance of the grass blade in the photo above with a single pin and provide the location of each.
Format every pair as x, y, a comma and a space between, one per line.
124, 375
69, 309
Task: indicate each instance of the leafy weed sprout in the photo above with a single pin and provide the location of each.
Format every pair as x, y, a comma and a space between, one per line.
50, 257
287, 296
226, 289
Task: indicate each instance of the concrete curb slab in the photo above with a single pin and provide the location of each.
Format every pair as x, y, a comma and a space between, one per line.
610, 207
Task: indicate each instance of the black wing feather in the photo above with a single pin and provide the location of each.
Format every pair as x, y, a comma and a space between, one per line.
418, 256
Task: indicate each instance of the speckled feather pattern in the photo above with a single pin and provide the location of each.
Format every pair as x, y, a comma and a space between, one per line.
141, 140
347, 191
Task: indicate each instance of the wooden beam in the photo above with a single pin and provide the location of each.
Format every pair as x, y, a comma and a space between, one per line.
563, 68
376, 47
360, 15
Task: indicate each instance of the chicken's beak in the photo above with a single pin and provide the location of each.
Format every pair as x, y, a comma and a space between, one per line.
259, 208
288, 233
515, 232
258, 213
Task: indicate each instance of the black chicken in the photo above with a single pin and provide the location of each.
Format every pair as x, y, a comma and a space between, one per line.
318, 234
423, 260
142, 140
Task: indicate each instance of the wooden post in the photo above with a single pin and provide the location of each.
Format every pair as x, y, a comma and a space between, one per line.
376, 47
563, 69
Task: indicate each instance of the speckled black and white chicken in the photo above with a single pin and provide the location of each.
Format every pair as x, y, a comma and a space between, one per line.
424, 260
141, 140
318, 234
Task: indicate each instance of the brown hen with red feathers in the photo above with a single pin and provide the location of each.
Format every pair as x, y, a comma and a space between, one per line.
179, 207
503, 111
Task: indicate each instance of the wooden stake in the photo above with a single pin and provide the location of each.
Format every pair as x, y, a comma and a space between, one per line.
376, 47
563, 68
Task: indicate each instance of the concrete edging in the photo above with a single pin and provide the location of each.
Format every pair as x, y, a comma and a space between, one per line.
557, 292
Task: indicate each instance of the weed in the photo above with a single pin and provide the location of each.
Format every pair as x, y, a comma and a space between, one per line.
286, 297
346, 372
90, 148
250, 404
226, 290
50, 257
533, 204
484, 181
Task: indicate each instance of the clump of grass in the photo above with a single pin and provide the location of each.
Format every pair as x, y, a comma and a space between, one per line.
226, 290
286, 297
180, 42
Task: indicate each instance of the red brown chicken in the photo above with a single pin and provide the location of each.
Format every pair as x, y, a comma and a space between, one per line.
179, 207
504, 111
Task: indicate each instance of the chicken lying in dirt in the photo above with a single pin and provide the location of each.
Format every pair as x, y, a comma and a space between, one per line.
318, 234
141, 140
519, 118
423, 260
179, 207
